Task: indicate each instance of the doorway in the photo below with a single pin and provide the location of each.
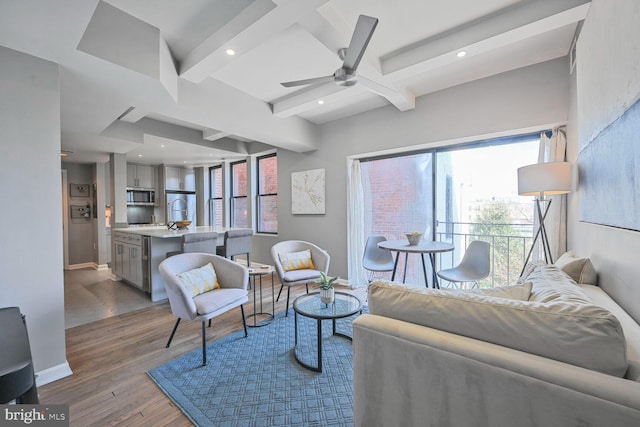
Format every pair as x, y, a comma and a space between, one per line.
65, 220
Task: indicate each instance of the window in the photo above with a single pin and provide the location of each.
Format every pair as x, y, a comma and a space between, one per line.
267, 197
455, 194
216, 204
239, 199
483, 193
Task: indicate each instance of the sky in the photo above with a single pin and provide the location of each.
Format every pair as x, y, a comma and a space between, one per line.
491, 171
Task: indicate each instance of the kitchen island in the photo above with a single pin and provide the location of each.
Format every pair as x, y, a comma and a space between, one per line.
140, 250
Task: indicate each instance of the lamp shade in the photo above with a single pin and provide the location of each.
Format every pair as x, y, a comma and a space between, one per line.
544, 178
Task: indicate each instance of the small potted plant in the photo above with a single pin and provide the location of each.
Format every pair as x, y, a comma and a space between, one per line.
327, 293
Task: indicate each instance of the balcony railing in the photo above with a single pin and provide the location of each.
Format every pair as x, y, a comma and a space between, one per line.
510, 244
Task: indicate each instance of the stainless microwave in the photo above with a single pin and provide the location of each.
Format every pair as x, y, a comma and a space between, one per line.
141, 197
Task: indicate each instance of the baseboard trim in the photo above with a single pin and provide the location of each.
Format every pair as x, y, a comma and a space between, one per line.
98, 267
52, 374
83, 265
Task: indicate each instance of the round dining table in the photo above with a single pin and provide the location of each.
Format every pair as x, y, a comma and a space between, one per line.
423, 247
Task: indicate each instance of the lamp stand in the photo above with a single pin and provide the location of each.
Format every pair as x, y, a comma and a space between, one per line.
542, 233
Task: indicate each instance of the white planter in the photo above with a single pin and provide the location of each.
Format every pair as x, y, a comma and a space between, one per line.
327, 296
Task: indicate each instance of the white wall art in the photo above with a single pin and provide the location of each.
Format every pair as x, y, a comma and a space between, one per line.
307, 192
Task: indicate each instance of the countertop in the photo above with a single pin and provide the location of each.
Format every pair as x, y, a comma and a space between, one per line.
161, 231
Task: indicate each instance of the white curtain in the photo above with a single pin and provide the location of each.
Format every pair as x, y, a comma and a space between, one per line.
553, 149
355, 225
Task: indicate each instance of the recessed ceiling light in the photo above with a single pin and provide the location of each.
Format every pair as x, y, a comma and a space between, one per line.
230, 52
139, 155
461, 54
162, 146
320, 101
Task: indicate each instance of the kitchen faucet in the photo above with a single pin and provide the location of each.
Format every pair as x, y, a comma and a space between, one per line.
172, 210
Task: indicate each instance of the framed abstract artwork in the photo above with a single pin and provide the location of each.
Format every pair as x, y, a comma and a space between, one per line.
308, 192
608, 178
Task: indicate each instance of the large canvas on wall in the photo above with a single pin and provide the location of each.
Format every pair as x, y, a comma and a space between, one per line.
608, 178
308, 192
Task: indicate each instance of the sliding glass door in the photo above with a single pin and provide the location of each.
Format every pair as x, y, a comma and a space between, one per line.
398, 198
454, 194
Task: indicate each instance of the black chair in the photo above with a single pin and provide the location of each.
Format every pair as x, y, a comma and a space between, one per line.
17, 378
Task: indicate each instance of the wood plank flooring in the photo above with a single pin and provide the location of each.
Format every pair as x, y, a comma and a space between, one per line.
110, 357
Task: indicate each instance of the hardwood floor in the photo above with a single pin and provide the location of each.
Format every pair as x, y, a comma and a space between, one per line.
110, 357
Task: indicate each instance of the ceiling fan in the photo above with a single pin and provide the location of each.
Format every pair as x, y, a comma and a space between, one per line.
351, 56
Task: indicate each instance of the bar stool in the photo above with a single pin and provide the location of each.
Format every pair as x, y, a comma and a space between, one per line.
201, 242
236, 242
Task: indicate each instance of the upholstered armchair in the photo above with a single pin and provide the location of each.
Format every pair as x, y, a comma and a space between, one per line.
198, 292
291, 260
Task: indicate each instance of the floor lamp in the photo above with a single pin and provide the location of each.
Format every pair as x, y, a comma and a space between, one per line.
540, 180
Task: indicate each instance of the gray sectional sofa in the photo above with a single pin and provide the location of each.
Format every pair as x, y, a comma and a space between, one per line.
546, 352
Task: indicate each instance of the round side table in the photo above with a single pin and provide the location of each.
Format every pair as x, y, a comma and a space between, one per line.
259, 315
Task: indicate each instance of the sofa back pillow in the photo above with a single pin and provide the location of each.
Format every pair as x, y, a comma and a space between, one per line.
579, 269
582, 334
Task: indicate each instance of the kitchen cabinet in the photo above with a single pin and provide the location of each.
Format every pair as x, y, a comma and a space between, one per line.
117, 257
179, 179
141, 176
128, 260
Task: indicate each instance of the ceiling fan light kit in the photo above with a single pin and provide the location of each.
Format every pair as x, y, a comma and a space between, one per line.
351, 56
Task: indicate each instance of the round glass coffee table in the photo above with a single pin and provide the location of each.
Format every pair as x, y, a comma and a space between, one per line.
309, 305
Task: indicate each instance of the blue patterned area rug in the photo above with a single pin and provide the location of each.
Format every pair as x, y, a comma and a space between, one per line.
256, 381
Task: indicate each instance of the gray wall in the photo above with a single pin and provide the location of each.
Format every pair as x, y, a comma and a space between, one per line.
606, 83
517, 101
31, 249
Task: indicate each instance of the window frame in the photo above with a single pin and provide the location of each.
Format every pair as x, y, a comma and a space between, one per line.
212, 197
232, 197
259, 195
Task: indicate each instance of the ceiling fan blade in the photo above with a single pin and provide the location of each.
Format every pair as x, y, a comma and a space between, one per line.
359, 41
308, 81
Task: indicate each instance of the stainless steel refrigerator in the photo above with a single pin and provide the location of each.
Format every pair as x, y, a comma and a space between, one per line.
181, 206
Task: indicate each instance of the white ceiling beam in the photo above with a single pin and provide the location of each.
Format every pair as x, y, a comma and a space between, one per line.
369, 74
403, 100
133, 114
512, 26
213, 134
304, 99
136, 132
257, 23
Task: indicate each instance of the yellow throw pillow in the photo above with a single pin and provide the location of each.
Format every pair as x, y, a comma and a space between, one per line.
200, 280
297, 261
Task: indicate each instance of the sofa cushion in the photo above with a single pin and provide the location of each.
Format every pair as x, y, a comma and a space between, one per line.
631, 327
517, 292
579, 269
550, 284
579, 333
